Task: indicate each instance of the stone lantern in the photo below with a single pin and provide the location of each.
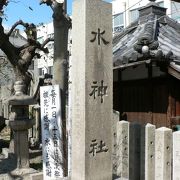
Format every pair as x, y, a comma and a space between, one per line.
20, 123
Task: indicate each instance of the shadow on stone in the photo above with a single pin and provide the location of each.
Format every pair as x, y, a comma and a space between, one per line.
15, 176
8, 164
35, 154
3, 144
115, 177
36, 166
2, 123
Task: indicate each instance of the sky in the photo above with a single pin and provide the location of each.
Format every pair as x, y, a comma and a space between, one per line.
30, 11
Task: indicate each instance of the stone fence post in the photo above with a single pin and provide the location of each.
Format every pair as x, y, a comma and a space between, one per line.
122, 149
176, 155
150, 152
163, 153
114, 141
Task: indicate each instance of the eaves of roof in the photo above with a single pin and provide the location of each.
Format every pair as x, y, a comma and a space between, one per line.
167, 34
174, 70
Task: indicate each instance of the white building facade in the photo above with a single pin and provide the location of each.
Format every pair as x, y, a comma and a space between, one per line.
44, 64
126, 11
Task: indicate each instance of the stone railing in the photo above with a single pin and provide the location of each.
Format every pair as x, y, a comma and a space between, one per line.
142, 152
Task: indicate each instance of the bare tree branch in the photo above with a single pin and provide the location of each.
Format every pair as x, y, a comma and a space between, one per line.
36, 45
46, 41
14, 1
47, 2
20, 22
3, 3
52, 3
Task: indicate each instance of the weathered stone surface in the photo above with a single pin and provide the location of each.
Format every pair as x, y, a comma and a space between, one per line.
122, 149
6, 177
21, 100
149, 152
22, 172
176, 155
20, 123
21, 146
114, 138
36, 176
92, 90
163, 153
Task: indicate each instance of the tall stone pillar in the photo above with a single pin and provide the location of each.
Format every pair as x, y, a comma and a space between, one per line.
92, 90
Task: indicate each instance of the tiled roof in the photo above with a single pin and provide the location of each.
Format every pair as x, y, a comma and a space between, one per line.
162, 30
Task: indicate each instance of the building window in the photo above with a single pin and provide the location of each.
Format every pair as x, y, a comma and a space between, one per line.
118, 22
50, 70
134, 15
41, 71
175, 13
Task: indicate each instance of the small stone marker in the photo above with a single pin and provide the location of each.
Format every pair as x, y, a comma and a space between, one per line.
51, 132
122, 149
163, 153
92, 90
150, 152
114, 138
176, 155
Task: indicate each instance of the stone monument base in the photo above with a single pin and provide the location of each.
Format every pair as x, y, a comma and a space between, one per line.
18, 174
22, 171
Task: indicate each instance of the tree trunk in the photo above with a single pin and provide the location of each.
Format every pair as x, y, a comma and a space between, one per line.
60, 54
60, 76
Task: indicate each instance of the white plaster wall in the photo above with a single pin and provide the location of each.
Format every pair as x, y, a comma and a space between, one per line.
45, 29
46, 60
